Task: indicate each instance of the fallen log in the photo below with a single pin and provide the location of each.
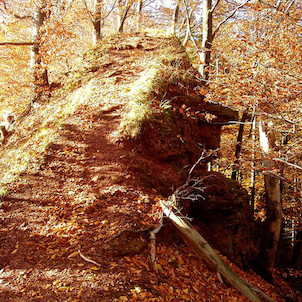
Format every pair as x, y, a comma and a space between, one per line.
206, 252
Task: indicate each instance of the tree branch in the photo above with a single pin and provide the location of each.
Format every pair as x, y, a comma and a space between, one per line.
188, 16
26, 17
113, 6
214, 6
110, 11
229, 17
285, 13
278, 7
18, 43
287, 163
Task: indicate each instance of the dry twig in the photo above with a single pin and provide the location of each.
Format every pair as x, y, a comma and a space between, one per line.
88, 260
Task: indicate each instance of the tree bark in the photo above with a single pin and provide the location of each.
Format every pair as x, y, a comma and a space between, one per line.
175, 17
239, 145
253, 174
208, 34
39, 72
273, 223
123, 15
139, 14
207, 39
189, 32
97, 20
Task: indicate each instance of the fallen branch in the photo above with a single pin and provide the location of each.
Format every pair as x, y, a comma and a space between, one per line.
153, 243
205, 251
88, 260
17, 43
260, 292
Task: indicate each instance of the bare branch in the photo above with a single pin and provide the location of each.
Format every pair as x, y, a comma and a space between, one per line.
229, 17
287, 163
203, 156
26, 17
214, 6
88, 260
278, 8
114, 6
188, 16
88, 10
18, 43
110, 11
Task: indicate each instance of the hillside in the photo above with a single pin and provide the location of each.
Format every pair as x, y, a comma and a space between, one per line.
82, 176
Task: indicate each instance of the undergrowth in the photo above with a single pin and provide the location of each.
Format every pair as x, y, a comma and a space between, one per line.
167, 69
26, 151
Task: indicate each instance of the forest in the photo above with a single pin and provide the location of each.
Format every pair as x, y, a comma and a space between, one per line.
150, 150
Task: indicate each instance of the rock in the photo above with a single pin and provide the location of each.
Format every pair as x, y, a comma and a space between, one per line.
222, 213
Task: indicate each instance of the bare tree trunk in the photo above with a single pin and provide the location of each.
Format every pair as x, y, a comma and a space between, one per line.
188, 33
139, 14
273, 221
208, 34
253, 174
239, 145
97, 20
39, 72
186, 39
175, 17
123, 15
207, 39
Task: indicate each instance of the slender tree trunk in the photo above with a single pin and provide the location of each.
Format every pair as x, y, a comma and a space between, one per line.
39, 72
175, 17
97, 20
188, 33
207, 39
239, 145
186, 39
273, 221
139, 14
253, 174
123, 15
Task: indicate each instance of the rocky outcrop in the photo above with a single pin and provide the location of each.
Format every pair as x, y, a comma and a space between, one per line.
222, 214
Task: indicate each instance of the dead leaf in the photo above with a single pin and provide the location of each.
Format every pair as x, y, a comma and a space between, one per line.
73, 254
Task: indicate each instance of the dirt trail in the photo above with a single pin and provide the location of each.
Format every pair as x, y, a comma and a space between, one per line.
83, 196
88, 202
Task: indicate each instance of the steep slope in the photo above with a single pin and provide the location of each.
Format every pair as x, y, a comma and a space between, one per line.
82, 177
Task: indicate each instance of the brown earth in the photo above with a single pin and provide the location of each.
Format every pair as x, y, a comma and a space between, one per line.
76, 228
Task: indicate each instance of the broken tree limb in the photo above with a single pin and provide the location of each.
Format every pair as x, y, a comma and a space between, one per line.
88, 260
153, 243
205, 251
17, 43
260, 292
